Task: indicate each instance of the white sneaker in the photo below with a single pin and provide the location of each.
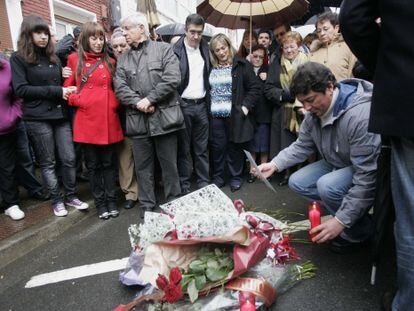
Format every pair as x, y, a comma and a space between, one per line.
59, 209
78, 204
14, 212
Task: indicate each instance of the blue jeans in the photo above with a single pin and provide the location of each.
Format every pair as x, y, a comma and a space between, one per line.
320, 181
402, 187
46, 137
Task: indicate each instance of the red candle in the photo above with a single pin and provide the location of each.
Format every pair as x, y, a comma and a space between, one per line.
247, 301
314, 211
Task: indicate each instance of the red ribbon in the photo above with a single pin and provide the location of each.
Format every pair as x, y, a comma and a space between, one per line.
260, 226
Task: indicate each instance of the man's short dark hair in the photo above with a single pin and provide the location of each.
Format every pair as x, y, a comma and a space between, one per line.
327, 16
311, 76
76, 31
194, 19
265, 30
259, 47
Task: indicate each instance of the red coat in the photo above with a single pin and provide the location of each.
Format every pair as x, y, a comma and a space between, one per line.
96, 119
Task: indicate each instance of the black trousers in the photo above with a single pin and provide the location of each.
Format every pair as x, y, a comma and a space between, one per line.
100, 160
194, 138
224, 152
24, 162
145, 149
8, 182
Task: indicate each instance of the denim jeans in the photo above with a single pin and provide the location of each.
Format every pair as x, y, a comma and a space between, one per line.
46, 137
320, 181
402, 187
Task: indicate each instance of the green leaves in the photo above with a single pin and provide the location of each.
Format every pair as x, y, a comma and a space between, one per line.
215, 275
200, 281
192, 291
211, 265
197, 266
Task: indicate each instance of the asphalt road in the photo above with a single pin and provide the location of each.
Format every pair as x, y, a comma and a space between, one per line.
342, 281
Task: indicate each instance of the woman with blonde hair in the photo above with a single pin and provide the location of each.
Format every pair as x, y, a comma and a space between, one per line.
234, 91
96, 124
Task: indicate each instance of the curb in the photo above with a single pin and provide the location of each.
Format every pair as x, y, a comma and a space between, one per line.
21, 243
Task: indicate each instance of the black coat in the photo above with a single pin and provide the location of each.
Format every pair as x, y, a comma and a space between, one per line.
272, 91
263, 109
386, 51
64, 48
40, 87
180, 52
245, 92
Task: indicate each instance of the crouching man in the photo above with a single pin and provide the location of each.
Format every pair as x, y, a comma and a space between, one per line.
336, 125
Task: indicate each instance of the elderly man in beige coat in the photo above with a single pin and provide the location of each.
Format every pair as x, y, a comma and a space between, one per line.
330, 49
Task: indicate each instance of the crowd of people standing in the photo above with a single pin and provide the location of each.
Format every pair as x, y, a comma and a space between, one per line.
122, 105
125, 103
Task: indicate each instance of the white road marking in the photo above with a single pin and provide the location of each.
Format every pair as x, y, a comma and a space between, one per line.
77, 272
115, 265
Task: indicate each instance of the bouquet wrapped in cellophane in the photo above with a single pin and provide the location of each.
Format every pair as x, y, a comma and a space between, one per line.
202, 243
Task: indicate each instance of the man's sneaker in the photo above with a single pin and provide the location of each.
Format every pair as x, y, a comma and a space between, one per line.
14, 212
59, 209
113, 210
103, 212
78, 204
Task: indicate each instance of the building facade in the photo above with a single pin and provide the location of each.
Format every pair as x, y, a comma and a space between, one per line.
63, 16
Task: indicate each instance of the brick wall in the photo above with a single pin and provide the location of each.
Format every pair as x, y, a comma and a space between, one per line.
5, 37
93, 6
41, 7
36, 7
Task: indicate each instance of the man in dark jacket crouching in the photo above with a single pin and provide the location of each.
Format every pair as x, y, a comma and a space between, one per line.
147, 78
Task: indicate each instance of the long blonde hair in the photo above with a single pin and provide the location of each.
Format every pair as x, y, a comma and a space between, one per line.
223, 39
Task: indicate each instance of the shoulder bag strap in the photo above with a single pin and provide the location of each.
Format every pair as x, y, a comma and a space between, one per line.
87, 75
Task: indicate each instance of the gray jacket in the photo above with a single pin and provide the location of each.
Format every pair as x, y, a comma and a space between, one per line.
151, 70
343, 141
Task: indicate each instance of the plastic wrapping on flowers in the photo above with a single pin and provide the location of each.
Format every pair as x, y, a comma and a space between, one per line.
218, 256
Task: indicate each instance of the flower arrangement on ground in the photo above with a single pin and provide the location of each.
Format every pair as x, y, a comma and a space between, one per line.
204, 251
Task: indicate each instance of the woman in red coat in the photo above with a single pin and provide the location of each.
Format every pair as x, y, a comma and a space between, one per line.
96, 124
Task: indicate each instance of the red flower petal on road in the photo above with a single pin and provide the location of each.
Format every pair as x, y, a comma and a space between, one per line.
120, 308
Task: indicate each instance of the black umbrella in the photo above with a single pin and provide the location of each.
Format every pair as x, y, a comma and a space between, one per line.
383, 206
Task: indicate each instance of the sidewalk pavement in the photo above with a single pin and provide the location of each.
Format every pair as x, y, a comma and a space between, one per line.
17, 238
